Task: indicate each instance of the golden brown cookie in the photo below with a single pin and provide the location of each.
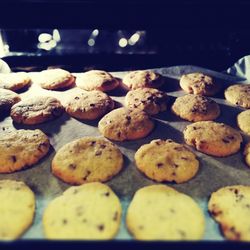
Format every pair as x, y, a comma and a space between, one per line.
36, 110
149, 100
97, 80
14, 81
247, 154
196, 108
88, 159
159, 212
243, 121
212, 138
230, 207
54, 79
17, 209
199, 84
239, 94
143, 79
7, 99
125, 124
21, 148
166, 160
89, 105
88, 212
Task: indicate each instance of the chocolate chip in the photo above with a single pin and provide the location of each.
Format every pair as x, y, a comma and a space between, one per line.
115, 217
92, 105
184, 158
72, 166
98, 152
77, 98
175, 165
92, 143
102, 146
236, 191
100, 227
13, 158
178, 148
64, 221
159, 165
107, 194
86, 175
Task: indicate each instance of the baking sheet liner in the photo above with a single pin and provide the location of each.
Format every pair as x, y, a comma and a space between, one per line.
214, 172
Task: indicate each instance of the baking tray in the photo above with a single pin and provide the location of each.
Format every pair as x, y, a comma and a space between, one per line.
214, 172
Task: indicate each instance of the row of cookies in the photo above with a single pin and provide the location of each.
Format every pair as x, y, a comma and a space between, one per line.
93, 211
59, 79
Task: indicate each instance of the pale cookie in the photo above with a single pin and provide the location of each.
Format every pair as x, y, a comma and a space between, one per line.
196, 108
21, 148
14, 81
239, 94
149, 100
125, 124
243, 121
212, 138
97, 80
88, 212
88, 159
143, 79
55, 79
166, 161
17, 209
36, 110
247, 154
199, 84
7, 99
89, 105
159, 212
230, 207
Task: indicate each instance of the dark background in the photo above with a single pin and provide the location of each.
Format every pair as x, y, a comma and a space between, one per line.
212, 34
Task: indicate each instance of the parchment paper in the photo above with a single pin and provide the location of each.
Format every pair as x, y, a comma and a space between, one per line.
214, 172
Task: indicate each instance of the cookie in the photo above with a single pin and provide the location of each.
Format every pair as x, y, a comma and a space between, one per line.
143, 79
36, 110
159, 212
89, 105
199, 84
196, 108
230, 207
246, 154
7, 99
149, 100
238, 94
212, 138
166, 160
17, 209
56, 79
125, 124
243, 121
97, 80
21, 148
88, 159
88, 212
14, 81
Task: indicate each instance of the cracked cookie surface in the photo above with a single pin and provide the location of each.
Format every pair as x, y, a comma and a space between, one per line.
36, 110
230, 207
91, 211
212, 138
88, 159
199, 84
21, 148
17, 209
159, 212
196, 108
125, 124
166, 160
